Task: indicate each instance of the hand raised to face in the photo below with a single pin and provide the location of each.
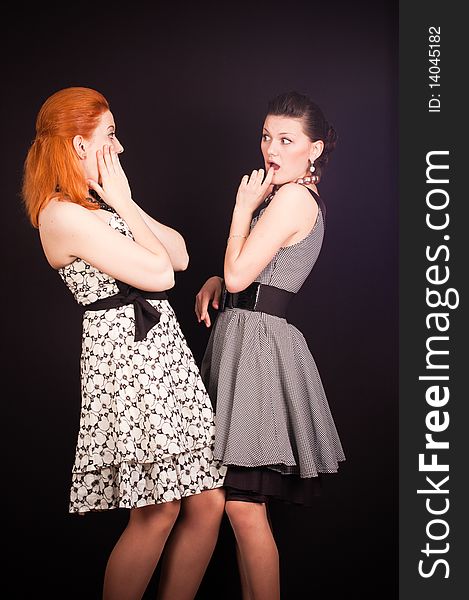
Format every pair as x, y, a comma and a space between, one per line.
253, 188
114, 188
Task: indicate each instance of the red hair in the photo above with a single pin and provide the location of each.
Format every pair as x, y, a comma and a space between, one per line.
52, 166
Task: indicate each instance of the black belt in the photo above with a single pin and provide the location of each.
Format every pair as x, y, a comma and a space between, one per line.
258, 297
146, 315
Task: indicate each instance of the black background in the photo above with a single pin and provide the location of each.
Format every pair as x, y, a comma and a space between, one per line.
188, 86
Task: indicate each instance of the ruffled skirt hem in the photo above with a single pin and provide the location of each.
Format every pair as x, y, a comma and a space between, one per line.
267, 484
270, 403
283, 468
132, 484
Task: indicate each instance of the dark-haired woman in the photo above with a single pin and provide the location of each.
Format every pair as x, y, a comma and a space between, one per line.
274, 428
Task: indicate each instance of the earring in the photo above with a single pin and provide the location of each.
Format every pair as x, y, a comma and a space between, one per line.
308, 179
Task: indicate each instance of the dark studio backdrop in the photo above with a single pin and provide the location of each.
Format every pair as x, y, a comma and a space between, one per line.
188, 86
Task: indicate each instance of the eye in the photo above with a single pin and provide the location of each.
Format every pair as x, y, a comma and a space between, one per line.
286, 141
265, 137
112, 134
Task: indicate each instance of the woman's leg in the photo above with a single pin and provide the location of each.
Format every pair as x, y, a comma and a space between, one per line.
258, 554
190, 545
136, 553
245, 589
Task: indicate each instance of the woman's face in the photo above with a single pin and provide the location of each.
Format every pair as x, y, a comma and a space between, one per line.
287, 148
104, 134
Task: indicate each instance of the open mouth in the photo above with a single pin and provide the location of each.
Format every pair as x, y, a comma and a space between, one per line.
274, 165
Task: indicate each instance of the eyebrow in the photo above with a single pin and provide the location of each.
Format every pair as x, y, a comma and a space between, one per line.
111, 127
282, 133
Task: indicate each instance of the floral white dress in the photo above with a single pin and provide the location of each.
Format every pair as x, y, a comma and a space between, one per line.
147, 426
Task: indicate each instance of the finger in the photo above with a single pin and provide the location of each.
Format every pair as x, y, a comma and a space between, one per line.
204, 306
207, 320
198, 307
260, 176
253, 177
201, 303
112, 160
244, 180
270, 173
118, 163
216, 298
104, 160
107, 158
268, 178
94, 185
115, 161
103, 170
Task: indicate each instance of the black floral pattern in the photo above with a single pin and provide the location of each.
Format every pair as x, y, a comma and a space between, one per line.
147, 425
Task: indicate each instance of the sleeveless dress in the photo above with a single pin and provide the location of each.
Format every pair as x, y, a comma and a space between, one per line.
146, 429
275, 431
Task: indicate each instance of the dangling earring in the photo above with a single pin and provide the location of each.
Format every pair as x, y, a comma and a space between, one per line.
312, 178
309, 178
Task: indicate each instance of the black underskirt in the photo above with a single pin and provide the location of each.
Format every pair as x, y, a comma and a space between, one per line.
261, 484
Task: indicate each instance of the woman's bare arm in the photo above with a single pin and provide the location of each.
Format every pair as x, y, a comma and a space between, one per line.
289, 212
171, 239
69, 231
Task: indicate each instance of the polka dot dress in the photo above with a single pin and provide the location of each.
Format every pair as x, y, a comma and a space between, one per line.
146, 429
271, 407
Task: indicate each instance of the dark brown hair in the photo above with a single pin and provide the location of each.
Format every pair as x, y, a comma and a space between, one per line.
316, 127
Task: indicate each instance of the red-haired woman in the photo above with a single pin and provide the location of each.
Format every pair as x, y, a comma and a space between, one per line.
146, 427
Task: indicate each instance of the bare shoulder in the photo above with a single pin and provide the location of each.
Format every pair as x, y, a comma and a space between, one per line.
294, 195
66, 229
61, 225
61, 215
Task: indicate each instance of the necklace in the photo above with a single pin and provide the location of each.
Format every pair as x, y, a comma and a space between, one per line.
96, 199
311, 179
307, 180
272, 194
